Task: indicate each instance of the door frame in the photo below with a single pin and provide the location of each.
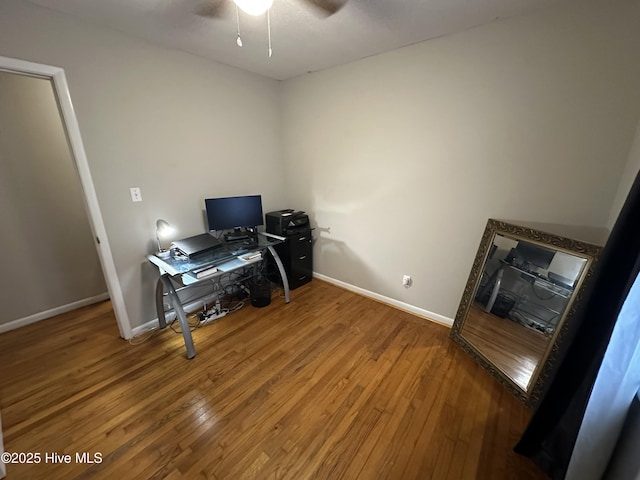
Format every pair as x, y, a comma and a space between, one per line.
70, 123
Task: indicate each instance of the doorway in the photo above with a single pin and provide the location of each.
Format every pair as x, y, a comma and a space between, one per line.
55, 79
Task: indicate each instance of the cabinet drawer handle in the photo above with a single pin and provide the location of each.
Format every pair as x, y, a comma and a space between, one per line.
302, 238
302, 277
303, 257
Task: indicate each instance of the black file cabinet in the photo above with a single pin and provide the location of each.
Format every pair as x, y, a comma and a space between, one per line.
297, 257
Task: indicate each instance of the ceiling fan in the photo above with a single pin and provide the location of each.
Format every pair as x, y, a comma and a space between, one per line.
218, 8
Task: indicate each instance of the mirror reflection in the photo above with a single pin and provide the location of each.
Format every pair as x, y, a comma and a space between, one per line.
522, 296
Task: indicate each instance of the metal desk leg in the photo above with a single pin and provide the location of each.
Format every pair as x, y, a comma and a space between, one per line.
162, 319
496, 289
283, 274
182, 318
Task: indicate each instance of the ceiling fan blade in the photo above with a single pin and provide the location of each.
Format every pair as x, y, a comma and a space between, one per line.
328, 7
211, 8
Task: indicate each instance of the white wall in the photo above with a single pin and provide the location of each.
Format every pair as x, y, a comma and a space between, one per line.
628, 176
48, 245
405, 155
179, 127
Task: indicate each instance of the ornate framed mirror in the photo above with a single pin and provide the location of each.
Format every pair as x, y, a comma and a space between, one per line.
524, 287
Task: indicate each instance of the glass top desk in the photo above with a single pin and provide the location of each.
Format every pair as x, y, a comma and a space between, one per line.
225, 258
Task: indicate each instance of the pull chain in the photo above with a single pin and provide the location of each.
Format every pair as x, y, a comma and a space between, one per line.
269, 31
238, 39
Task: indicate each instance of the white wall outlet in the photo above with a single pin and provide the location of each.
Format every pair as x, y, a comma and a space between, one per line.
136, 194
406, 281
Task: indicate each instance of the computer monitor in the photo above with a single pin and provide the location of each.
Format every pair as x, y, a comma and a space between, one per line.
234, 212
535, 255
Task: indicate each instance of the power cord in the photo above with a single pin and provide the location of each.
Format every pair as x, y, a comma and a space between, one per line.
143, 337
540, 297
204, 316
190, 321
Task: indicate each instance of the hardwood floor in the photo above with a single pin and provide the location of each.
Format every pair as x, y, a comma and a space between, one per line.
331, 386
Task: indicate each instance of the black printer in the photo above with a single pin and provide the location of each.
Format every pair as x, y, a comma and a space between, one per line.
286, 222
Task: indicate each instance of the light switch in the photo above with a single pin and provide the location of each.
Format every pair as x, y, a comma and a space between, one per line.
136, 194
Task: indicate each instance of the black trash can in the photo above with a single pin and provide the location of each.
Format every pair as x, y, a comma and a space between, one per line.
503, 305
260, 290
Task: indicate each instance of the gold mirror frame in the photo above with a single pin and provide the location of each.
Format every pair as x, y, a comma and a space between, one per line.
544, 369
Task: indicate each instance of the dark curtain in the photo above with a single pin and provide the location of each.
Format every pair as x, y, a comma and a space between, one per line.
550, 437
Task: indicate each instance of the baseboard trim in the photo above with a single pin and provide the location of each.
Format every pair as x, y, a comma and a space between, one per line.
420, 312
21, 322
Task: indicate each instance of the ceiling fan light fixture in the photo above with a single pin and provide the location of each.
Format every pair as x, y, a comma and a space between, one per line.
254, 7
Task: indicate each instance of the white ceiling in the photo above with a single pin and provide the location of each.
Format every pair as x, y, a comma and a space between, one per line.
302, 40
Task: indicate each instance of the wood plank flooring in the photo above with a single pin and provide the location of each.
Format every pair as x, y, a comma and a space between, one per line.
331, 386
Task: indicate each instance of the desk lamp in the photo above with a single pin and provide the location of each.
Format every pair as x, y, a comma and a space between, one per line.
163, 228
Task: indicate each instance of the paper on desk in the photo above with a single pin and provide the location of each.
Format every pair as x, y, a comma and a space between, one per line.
231, 265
